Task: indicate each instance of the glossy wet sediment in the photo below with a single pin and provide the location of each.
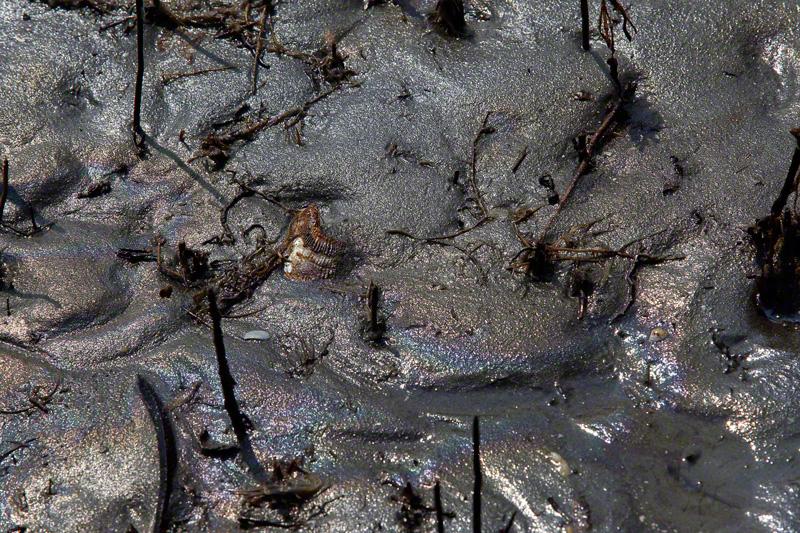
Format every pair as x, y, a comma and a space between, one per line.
680, 415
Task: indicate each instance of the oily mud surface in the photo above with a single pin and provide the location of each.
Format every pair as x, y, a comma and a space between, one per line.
613, 395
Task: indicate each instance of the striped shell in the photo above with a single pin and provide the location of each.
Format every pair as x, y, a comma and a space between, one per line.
310, 254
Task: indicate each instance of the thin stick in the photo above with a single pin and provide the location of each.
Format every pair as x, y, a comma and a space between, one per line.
259, 47
371, 300
522, 155
476, 467
585, 24
437, 503
226, 378
4, 193
138, 134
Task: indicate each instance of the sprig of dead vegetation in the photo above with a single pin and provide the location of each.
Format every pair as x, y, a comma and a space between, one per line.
537, 257
217, 146
777, 242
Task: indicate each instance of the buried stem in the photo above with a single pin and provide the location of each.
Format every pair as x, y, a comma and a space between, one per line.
437, 503
585, 24
138, 133
4, 193
476, 468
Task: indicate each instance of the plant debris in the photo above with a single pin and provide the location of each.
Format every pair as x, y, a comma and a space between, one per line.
101, 7
413, 511
290, 484
38, 399
217, 147
169, 77
326, 65
308, 356
448, 15
96, 189
374, 327
289, 487
188, 266
477, 197
777, 242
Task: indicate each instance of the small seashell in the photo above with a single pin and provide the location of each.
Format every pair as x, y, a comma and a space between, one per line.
310, 254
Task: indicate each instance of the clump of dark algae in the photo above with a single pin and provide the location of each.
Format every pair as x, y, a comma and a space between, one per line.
777, 241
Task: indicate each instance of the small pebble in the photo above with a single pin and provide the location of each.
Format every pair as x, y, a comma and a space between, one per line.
657, 335
256, 335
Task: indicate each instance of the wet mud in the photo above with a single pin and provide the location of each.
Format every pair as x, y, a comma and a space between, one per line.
582, 250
